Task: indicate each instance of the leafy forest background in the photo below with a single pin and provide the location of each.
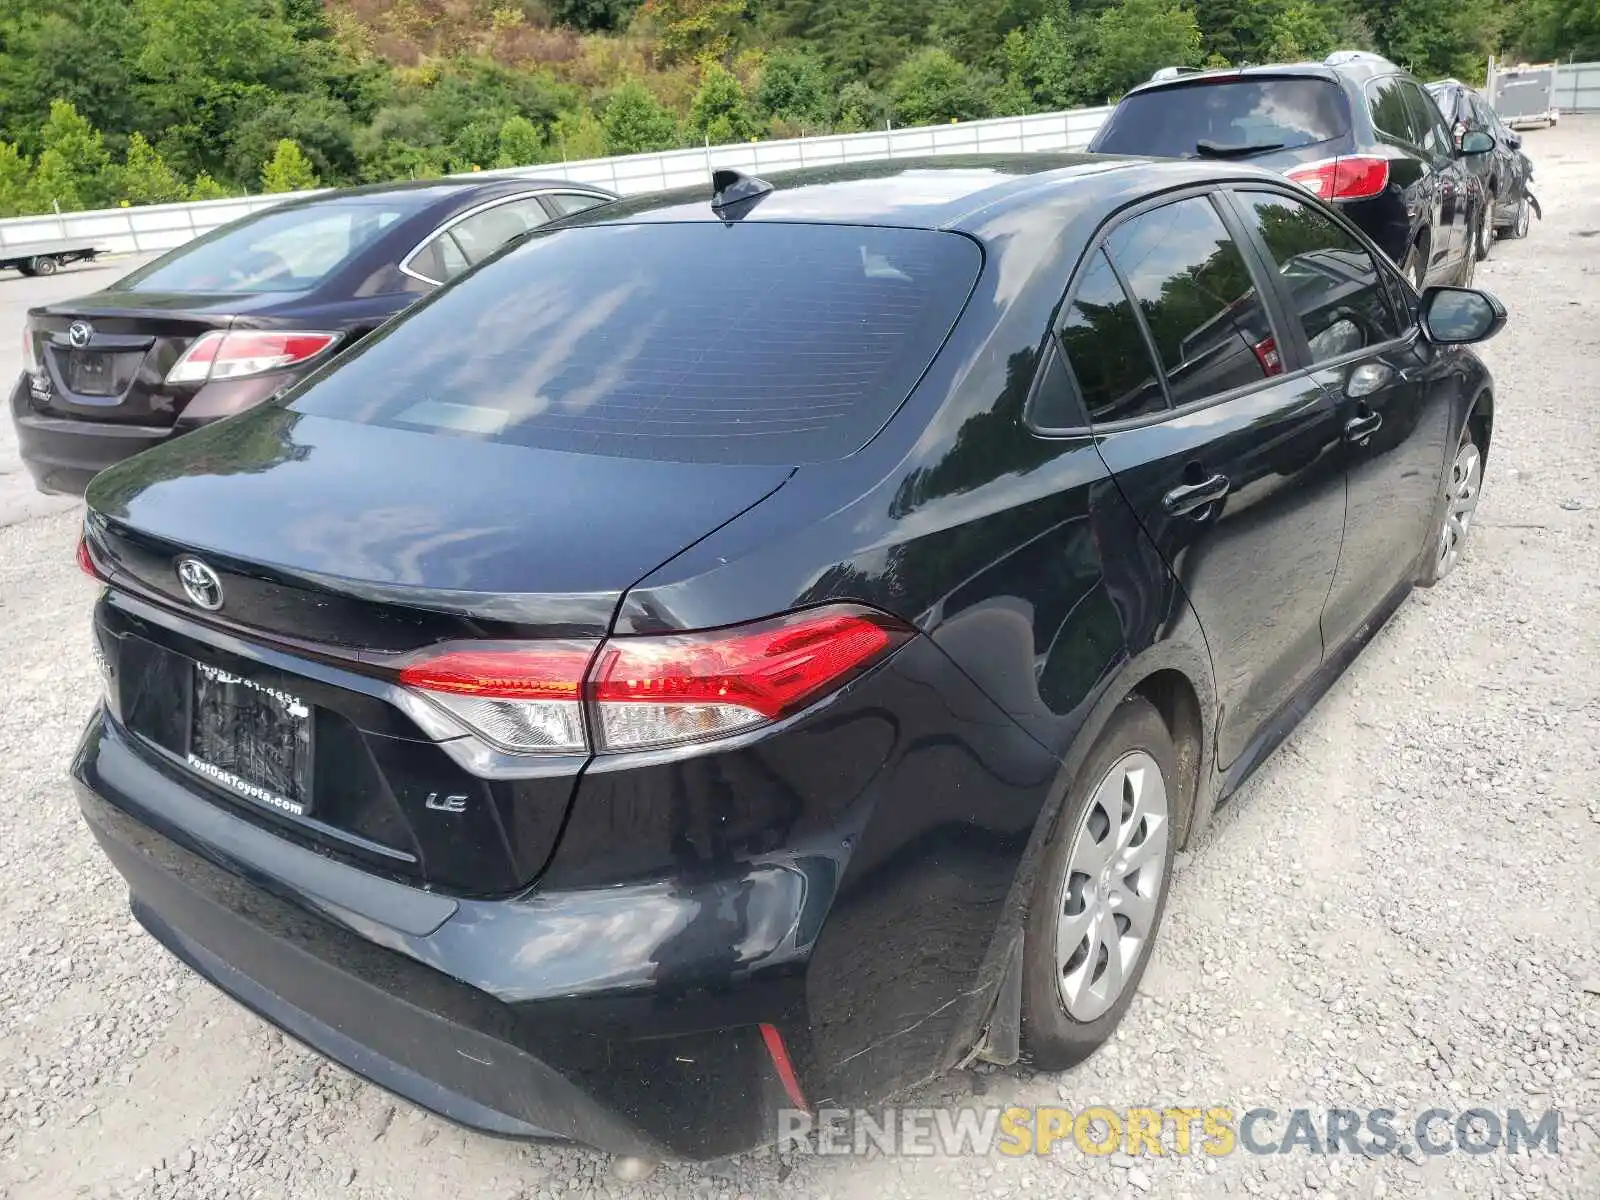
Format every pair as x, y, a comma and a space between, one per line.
107, 102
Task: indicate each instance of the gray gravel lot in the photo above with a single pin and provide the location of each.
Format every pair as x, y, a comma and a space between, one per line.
1401, 910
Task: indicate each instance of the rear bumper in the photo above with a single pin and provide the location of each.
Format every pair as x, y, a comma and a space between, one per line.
575, 1015
63, 454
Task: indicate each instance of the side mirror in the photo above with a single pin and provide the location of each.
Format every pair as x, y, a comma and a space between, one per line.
1475, 141
1457, 316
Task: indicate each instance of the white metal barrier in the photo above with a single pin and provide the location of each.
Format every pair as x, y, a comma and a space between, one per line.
158, 227
1578, 87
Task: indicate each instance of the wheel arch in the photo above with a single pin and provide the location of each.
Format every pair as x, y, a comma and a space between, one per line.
1480, 419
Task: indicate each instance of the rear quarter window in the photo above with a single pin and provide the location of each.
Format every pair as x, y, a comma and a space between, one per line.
759, 343
1273, 113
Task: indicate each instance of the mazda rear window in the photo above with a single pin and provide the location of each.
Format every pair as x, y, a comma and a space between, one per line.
279, 250
752, 342
1233, 116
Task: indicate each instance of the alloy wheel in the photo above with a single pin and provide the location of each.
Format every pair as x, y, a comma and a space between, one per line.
1114, 878
1461, 501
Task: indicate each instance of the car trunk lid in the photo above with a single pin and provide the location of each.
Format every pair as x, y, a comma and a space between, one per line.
105, 357
336, 550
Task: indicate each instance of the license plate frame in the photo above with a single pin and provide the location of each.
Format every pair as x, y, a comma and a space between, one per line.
254, 741
93, 373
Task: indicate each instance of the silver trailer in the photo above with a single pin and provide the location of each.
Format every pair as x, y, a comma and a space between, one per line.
46, 258
1525, 95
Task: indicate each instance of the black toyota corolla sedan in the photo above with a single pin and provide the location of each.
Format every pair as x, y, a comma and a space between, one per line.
222, 322
742, 652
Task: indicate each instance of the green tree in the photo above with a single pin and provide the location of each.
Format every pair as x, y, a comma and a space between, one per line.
73, 169
520, 144
694, 29
578, 135
859, 108
1048, 61
288, 170
793, 88
16, 173
73, 50
931, 87
1137, 37
145, 178
720, 113
636, 122
592, 15
206, 188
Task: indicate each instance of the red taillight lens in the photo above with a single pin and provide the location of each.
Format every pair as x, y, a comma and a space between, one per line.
1267, 355
661, 691
221, 355
646, 692
86, 561
526, 699
1351, 177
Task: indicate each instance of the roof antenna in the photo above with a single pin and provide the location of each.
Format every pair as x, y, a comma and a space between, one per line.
733, 189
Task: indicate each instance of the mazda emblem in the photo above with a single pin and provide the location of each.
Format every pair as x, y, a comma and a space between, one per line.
200, 584
79, 333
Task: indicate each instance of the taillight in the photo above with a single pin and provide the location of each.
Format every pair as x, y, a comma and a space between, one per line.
1267, 355
1350, 177
638, 693
86, 561
220, 355
30, 353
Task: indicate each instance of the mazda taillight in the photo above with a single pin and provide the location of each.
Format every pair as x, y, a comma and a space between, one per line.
637, 693
30, 353
86, 562
1349, 177
219, 355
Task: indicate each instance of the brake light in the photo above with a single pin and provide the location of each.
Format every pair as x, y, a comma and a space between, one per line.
1269, 358
639, 693
86, 560
235, 354
1350, 177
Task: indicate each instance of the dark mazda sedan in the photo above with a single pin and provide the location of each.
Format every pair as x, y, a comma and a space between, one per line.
732, 654
222, 322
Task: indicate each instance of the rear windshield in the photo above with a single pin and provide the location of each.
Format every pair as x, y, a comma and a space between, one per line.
747, 343
290, 250
1240, 115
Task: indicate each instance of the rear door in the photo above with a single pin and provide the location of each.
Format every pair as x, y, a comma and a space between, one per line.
1364, 351
1229, 459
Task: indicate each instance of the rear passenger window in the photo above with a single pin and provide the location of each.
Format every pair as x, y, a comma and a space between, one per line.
567, 203
1386, 100
1335, 285
1107, 351
1210, 329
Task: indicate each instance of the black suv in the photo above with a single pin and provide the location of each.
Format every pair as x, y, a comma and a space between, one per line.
1505, 175
1355, 129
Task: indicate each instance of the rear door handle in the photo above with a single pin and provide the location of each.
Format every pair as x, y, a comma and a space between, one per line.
1181, 501
1358, 429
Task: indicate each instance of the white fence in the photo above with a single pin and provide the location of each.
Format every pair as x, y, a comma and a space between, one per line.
162, 226
1578, 87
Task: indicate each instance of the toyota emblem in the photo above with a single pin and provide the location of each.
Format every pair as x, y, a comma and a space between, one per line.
200, 584
79, 333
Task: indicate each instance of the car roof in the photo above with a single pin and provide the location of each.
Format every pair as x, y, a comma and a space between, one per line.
965, 193
419, 194
1352, 65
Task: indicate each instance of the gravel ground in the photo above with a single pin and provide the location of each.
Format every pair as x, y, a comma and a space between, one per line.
1401, 910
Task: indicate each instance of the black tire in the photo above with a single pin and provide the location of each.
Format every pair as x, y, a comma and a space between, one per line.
44, 264
1415, 265
1485, 239
1519, 223
1435, 565
1053, 1040
25, 269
